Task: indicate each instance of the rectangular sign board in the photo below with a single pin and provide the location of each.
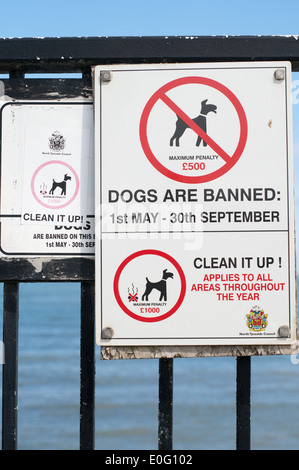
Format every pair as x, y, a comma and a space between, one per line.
194, 205
47, 179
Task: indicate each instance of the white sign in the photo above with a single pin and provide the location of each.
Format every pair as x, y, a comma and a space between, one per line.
194, 204
47, 179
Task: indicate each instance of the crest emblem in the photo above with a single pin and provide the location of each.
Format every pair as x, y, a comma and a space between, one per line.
257, 319
56, 141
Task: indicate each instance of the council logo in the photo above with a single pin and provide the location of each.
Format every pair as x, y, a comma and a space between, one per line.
257, 319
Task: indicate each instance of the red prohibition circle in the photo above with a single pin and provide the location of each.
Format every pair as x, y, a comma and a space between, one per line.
161, 95
120, 270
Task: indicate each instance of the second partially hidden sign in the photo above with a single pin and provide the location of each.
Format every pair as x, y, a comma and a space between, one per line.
194, 198
47, 179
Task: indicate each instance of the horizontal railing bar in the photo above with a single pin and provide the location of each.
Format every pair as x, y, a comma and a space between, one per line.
45, 269
78, 54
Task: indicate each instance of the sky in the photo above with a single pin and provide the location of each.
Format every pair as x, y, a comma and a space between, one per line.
32, 18
74, 18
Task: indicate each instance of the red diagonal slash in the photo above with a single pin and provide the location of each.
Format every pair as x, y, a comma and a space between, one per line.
177, 110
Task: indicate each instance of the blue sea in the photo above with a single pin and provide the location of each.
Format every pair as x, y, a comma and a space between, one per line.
127, 390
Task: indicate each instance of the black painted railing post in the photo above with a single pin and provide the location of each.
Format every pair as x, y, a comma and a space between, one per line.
165, 416
10, 366
87, 367
243, 402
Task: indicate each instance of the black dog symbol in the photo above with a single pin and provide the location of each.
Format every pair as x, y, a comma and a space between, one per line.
61, 184
160, 286
200, 120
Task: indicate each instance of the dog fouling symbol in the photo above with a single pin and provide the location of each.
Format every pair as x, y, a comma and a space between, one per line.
43, 189
51, 190
149, 131
133, 297
158, 300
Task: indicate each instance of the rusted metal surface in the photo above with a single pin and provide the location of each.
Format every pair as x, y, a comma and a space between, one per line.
157, 352
46, 269
48, 89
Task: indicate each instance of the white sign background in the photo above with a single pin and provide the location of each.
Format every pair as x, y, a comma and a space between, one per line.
231, 234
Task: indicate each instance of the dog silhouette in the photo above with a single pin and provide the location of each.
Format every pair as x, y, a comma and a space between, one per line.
60, 184
160, 286
200, 120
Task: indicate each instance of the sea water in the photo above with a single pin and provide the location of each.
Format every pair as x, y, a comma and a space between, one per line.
126, 410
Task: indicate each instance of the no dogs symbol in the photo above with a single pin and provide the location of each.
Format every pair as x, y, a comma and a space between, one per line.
193, 129
149, 286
